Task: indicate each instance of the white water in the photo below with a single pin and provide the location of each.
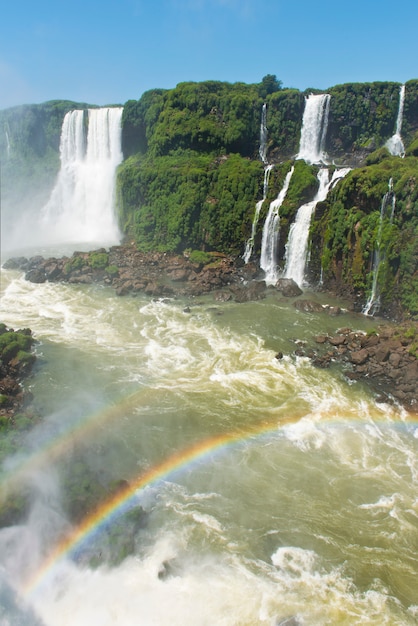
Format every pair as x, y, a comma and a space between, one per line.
315, 520
395, 143
297, 243
372, 305
80, 209
270, 239
250, 242
314, 129
7, 143
263, 135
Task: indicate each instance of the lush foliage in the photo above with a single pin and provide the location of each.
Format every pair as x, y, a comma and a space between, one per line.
373, 208
361, 114
189, 200
192, 173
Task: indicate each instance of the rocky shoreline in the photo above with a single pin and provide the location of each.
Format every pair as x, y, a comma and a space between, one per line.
16, 362
387, 360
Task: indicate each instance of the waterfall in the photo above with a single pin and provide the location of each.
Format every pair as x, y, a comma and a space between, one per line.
270, 240
372, 305
7, 143
297, 244
81, 205
250, 243
262, 151
395, 143
314, 129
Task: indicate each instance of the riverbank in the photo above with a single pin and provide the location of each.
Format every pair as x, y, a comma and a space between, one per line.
16, 362
386, 360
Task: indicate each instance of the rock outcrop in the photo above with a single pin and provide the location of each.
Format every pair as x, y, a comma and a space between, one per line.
386, 360
16, 361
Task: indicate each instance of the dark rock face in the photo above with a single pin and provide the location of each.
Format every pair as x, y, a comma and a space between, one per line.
387, 361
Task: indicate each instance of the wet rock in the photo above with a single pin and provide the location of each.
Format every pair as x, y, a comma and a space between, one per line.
308, 306
338, 340
359, 357
288, 287
386, 360
36, 275
16, 263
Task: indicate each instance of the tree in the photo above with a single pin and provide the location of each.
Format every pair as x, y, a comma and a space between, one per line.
269, 84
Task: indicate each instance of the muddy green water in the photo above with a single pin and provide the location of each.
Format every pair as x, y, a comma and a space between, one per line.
309, 511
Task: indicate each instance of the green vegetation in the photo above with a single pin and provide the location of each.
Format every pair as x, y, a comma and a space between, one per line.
349, 230
192, 175
98, 260
15, 345
189, 200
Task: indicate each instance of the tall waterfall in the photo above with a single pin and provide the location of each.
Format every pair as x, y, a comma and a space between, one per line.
395, 143
250, 243
81, 205
297, 244
270, 240
372, 305
262, 151
314, 129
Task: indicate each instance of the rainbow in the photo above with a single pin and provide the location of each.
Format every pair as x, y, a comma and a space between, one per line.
115, 504
20, 468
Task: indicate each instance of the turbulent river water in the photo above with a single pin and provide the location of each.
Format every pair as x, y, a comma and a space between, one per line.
274, 492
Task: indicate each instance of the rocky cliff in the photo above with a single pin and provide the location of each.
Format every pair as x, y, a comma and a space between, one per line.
194, 177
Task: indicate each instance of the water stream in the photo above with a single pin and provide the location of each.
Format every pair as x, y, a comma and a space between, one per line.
272, 490
395, 143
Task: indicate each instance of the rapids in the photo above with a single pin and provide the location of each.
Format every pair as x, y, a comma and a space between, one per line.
272, 490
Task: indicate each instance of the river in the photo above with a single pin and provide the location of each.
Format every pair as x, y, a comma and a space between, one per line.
252, 490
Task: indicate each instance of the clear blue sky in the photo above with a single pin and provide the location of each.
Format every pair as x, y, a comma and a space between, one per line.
110, 51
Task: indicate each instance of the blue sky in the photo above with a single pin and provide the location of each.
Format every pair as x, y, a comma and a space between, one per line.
109, 51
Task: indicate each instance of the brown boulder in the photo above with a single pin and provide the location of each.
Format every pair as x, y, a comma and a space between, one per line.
359, 357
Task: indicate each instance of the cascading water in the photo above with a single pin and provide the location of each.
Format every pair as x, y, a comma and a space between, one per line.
81, 205
372, 305
297, 244
262, 151
314, 129
270, 239
6, 132
250, 243
395, 143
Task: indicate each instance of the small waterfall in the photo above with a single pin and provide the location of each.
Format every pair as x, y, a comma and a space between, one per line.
270, 240
250, 243
395, 143
262, 151
81, 205
314, 129
297, 244
372, 305
7, 143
